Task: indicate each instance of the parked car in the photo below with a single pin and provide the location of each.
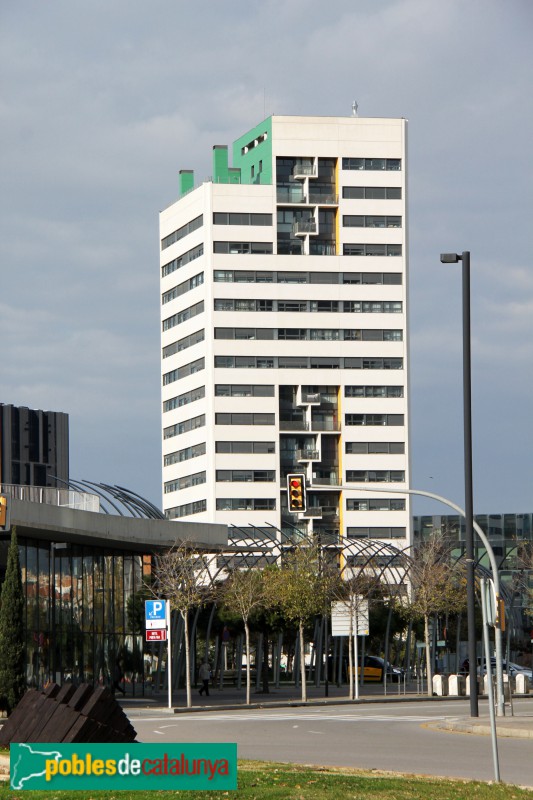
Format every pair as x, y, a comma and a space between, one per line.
512, 669
375, 669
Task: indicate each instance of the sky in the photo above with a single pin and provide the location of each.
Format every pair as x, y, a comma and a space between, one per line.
103, 102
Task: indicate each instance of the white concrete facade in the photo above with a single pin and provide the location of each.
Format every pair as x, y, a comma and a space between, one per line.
292, 358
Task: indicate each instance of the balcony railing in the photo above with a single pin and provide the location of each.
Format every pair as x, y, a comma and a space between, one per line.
314, 511
331, 480
307, 455
323, 199
308, 397
303, 226
292, 196
304, 171
48, 495
293, 425
325, 425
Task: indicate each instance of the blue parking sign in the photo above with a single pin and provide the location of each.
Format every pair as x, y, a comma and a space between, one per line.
155, 610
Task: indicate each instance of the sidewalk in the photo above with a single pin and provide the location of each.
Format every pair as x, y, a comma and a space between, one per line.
288, 696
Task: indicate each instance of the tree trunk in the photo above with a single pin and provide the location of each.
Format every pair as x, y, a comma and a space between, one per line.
264, 671
350, 663
187, 658
429, 671
248, 675
302, 663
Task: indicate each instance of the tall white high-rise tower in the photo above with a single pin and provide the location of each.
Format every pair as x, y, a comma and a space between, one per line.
284, 330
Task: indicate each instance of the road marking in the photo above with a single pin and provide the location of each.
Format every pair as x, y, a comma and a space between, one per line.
300, 717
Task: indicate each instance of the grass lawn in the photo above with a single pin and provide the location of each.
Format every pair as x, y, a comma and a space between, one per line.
292, 782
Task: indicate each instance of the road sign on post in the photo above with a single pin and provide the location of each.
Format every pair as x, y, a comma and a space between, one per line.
155, 614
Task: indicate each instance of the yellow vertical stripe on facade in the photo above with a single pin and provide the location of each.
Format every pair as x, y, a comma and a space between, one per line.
339, 458
337, 216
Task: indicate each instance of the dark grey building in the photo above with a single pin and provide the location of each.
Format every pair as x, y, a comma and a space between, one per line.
34, 446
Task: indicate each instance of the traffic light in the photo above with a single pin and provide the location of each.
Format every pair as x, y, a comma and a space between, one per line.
297, 500
4, 513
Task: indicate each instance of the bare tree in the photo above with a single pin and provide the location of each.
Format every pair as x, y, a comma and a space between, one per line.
182, 576
436, 586
299, 588
242, 594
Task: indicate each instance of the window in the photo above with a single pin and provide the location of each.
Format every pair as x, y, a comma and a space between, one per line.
186, 510
375, 476
240, 248
183, 344
243, 390
373, 419
372, 306
243, 305
241, 219
373, 391
176, 263
245, 447
244, 419
184, 399
184, 455
184, 483
246, 504
181, 288
371, 192
375, 447
359, 221
182, 372
243, 362
245, 476
184, 427
372, 250
180, 233
376, 533
375, 504
389, 164
183, 316
373, 363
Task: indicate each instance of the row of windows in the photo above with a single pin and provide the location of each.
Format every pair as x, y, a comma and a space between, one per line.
241, 219
239, 248
374, 419
180, 233
371, 192
373, 504
373, 391
303, 362
181, 261
182, 372
245, 447
243, 390
312, 334
267, 276
245, 475
184, 427
372, 250
375, 476
361, 221
390, 164
187, 510
183, 344
375, 533
246, 504
244, 419
182, 288
184, 455
184, 399
305, 306
185, 483
183, 316
360, 448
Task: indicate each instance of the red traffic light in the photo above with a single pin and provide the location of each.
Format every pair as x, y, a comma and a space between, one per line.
296, 496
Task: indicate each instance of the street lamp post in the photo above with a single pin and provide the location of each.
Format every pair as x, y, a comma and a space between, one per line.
453, 258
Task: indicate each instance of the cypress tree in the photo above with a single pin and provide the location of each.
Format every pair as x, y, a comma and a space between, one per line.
12, 677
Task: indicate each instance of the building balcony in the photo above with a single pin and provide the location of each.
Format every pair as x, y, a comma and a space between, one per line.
304, 226
307, 455
325, 425
293, 425
310, 399
314, 511
301, 171
330, 480
296, 195
323, 199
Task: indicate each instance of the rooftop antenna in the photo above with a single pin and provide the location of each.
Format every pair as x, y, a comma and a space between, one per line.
354, 108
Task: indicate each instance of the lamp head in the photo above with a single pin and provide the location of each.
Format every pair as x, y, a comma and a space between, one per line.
450, 258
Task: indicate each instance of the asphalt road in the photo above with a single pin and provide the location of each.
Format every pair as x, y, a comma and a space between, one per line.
381, 736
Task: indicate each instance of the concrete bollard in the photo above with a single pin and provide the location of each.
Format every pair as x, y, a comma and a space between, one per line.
467, 684
456, 686
440, 685
522, 683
